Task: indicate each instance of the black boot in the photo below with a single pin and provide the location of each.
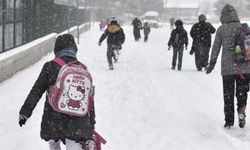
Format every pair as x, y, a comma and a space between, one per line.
242, 120
111, 67
242, 116
228, 125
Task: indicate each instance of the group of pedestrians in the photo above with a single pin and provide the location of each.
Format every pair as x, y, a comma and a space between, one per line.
201, 35
69, 112
137, 26
235, 75
116, 37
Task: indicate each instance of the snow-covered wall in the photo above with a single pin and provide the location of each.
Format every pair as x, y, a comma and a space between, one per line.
22, 57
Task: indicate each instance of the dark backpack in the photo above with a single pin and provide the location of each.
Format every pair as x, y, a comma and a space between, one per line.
242, 40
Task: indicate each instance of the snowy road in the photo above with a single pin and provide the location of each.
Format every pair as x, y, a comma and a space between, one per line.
142, 104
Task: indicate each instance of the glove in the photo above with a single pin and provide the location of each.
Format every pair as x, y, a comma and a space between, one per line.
22, 120
210, 68
99, 43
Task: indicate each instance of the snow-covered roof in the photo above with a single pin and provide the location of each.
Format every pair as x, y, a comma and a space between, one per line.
70, 2
151, 13
181, 3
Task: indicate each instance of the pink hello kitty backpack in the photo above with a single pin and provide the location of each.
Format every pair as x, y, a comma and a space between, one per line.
72, 92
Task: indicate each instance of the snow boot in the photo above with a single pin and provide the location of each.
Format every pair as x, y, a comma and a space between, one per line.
242, 116
242, 120
228, 125
115, 56
111, 67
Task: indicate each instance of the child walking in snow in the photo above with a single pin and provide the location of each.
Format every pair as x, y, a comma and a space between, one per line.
115, 38
177, 40
146, 30
234, 85
57, 126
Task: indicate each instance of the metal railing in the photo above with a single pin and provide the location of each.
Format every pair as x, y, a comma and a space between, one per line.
22, 21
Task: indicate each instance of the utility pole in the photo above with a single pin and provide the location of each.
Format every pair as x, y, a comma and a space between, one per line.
78, 37
4, 14
68, 22
14, 25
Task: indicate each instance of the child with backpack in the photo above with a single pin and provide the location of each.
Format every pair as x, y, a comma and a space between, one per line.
146, 30
115, 38
69, 114
177, 40
235, 75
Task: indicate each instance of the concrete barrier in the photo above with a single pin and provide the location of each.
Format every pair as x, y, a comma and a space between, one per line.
26, 55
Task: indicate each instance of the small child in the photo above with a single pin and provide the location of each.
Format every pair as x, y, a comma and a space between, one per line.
146, 30
177, 40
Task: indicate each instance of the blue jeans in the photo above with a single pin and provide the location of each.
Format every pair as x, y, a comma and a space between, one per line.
177, 52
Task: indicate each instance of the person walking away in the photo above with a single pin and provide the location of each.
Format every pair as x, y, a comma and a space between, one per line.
102, 24
233, 83
137, 25
171, 21
201, 34
146, 30
177, 40
115, 38
59, 126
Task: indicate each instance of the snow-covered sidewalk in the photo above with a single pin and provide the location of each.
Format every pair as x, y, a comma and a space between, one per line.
142, 104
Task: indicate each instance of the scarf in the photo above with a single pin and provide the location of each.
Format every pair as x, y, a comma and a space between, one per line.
67, 52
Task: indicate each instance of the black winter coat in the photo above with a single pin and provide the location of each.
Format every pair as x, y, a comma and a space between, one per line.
56, 125
115, 35
201, 33
178, 37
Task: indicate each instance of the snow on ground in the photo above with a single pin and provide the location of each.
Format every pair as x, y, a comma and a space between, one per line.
141, 104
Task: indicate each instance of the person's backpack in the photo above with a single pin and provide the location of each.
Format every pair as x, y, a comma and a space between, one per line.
72, 92
242, 40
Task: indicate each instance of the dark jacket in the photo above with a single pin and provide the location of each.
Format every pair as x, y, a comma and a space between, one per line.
137, 24
146, 29
201, 33
115, 35
225, 38
57, 125
178, 37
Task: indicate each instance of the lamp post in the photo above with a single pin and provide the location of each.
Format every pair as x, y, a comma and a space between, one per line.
68, 22
77, 5
14, 25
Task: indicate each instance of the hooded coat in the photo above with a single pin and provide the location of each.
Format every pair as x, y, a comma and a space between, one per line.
136, 28
201, 32
57, 125
115, 35
225, 38
178, 37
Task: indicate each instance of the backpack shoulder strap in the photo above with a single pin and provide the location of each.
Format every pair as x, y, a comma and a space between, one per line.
59, 61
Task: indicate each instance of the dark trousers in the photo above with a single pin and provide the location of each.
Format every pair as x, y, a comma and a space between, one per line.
201, 57
232, 84
145, 37
110, 54
177, 52
137, 34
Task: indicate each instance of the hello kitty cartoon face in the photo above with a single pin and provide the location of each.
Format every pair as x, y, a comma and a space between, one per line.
76, 92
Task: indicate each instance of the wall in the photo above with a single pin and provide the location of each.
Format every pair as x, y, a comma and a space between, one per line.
26, 55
